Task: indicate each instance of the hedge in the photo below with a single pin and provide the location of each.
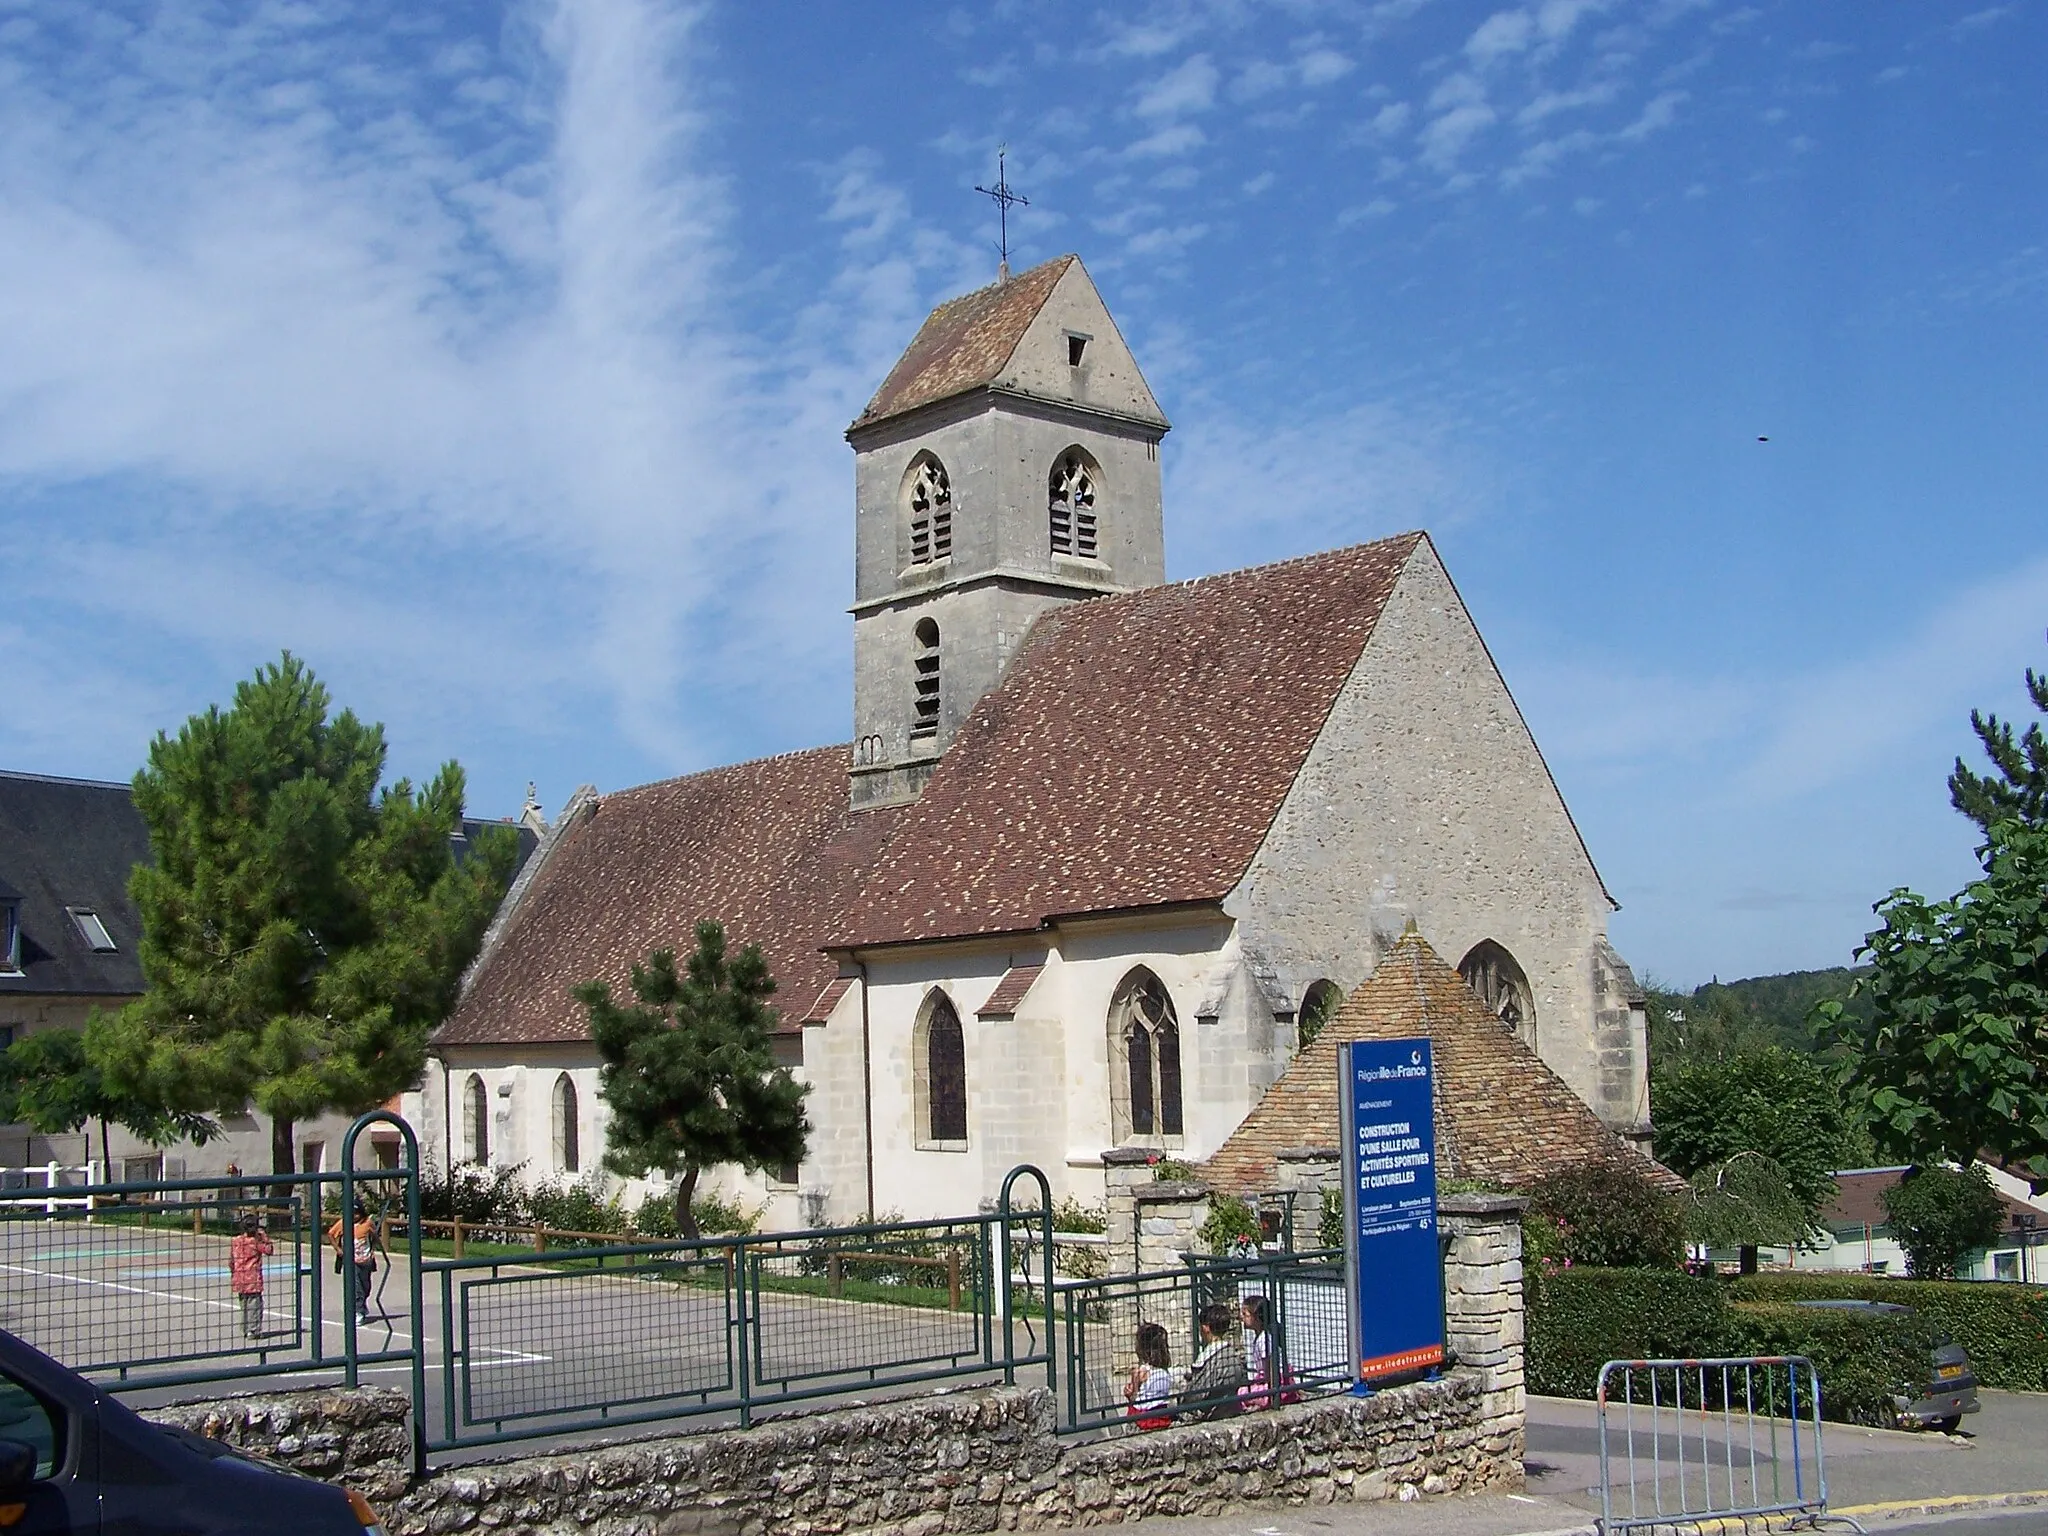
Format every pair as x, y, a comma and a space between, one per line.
2003, 1326
1864, 1360
1580, 1318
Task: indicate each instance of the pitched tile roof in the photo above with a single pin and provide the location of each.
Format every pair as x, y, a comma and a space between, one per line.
71, 843
1859, 1200
1009, 993
1136, 753
768, 848
965, 342
1502, 1115
828, 999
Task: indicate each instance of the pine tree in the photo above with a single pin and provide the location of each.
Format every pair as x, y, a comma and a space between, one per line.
689, 1073
301, 933
2018, 789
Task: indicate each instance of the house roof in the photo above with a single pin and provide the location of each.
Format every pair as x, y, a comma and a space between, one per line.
1136, 753
1502, 1115
1859, 1200
71, 844
767, 848
965, 343
1009, 993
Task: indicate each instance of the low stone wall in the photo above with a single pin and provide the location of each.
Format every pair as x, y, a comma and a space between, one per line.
977, 1461
358, 1437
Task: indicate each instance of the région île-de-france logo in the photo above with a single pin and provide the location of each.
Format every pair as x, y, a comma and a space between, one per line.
1414, 1068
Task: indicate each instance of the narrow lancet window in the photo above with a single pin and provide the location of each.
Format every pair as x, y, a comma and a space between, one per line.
931, 512
1071, 505
924, 703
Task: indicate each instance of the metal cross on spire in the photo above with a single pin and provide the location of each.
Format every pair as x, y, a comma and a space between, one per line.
1004, 198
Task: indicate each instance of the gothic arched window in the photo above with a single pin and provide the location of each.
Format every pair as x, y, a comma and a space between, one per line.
931, 511
1491, 972
924, 700
476, 1120
1144, 1060
567, 1151
1070, 501
940, 1074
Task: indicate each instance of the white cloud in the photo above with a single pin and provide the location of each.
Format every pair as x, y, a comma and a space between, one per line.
1323, 66
1188, 88
1444, 138
1378, 208
310, 331
1501, 35
1177, 140
1658, 113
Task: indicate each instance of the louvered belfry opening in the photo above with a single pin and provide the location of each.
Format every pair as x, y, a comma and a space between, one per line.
931, 512
924, 717
1071, 505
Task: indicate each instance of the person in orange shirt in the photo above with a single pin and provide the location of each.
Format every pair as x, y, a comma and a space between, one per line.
361, 1243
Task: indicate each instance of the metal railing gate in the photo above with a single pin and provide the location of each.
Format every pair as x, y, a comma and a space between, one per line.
1683, 1442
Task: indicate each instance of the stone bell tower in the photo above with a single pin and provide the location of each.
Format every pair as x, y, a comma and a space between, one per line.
1009, 463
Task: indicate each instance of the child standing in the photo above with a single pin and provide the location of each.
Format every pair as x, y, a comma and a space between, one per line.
245, 1272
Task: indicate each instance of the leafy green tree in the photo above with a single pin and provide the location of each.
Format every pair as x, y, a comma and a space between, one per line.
301, 932
1766, 1101
1746, 1203
48, 1083
1954, 1058
1940, 1216
2017, 786
688, 1071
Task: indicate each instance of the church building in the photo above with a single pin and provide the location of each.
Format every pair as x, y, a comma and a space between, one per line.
1100, 844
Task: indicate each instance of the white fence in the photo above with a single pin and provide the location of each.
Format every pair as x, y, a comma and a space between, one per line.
53, 1177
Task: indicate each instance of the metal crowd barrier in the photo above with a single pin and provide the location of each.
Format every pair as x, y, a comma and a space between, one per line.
1683, 1442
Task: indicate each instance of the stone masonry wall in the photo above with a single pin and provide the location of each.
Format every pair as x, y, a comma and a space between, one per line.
357, 1437
979, 1461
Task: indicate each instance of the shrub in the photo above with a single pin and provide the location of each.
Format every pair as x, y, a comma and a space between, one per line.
1864, 1360
656, 1217
1070, 1215
475, 1196
1581, 1318
1941, 1214
1330, 1223
1231, 1223
1612, 1217
1171, 1170
574, 1208
2004, 1327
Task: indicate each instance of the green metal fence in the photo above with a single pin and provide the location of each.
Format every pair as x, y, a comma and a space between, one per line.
636, 1332
1289, 1342
132, 1281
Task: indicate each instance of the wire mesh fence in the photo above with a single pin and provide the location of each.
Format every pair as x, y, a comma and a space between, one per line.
547, 1342
177, 1281
1211, 1340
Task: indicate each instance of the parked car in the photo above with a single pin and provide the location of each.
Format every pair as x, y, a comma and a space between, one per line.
75, 1461
1950, 1390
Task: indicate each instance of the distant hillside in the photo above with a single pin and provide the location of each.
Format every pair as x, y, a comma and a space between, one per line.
1725, 1016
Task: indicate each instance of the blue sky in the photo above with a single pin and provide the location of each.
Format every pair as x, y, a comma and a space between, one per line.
495, 359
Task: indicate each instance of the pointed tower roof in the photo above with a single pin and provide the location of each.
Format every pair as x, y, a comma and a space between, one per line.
975, 341
1502, 1115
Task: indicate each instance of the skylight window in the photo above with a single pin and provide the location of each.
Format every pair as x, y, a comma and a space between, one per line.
10, 938
94, 930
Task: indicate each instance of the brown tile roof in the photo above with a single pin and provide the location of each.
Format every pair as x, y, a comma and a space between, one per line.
1017, 980
965, 342
1502, 1115
828, 999
1136, 753
768, 848
1859, 1200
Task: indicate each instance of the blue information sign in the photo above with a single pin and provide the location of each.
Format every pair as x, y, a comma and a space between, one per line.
1396, 1281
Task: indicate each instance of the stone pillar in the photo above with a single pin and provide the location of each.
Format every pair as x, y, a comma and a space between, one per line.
1124, 1171
1483, 1316
1168, 1218
1304, 1173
